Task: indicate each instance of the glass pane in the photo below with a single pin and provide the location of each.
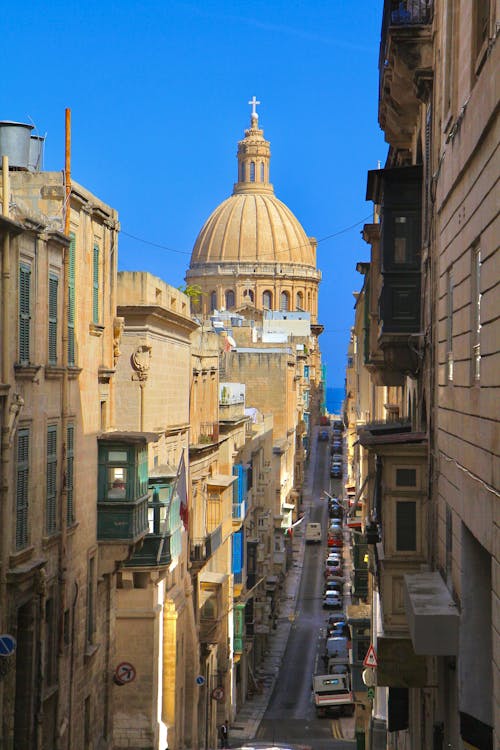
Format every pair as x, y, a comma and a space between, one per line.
117, 482
117, 456
406, 526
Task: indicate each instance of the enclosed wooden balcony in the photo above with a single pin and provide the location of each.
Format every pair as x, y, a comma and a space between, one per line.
405, 65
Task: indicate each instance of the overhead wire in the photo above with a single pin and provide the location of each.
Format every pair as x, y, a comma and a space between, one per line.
285, 250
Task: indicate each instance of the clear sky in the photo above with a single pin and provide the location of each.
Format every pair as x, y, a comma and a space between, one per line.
158, 94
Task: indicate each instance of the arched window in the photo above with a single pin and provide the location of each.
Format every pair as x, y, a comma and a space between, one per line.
284, 301
309, 301
299, 301
229, 299
248, 295
243, 171
213, 301
267, 300
262, 171
252, 171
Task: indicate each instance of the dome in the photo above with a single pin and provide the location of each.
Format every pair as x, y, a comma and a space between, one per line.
252, 227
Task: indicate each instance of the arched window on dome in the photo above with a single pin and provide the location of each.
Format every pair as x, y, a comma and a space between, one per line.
229, 297
262, 171
309, 301
267, 300
299, 301
284, 301
248, 295
242, 176
252, 171
213, 301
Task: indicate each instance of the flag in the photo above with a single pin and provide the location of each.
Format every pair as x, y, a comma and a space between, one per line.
181, 489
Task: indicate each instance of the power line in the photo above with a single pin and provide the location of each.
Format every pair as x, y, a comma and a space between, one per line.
286, 250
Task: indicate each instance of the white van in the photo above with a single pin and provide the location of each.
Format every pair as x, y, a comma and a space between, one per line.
314, 534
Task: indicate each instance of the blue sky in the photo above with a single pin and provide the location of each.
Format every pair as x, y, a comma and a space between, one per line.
158, 93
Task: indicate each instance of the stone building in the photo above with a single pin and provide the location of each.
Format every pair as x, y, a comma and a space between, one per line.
430, 338
156, 627
60, 545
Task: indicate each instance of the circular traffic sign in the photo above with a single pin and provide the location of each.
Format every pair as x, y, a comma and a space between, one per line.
200, 680
218, 693
125, 673
7, 644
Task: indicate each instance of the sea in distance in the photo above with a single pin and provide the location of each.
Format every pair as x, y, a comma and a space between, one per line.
334, 399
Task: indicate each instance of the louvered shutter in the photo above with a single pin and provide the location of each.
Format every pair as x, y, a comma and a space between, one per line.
70, 508
71, 300
24, 313
53, 290
95, 286
51, 500
22, 488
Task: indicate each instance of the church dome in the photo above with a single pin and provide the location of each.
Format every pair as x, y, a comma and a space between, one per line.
252, 225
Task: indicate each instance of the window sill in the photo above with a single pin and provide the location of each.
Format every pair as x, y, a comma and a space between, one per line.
54, 372
74, 372
95, 329
27, 372
90, 650
50, 540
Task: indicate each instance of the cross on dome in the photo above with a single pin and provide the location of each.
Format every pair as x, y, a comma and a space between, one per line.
254, 103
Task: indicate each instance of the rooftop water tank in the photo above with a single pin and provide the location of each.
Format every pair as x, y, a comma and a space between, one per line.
35, 161
15, 143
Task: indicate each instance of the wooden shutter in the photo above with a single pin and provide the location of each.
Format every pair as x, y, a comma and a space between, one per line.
70, 447
71, 300
22, 488
24, 313
51, 498
95, 286
53, 294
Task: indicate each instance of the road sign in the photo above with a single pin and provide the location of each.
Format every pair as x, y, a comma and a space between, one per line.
218, 693
124, 673
7, 644
200, 680
370, 659
371, 693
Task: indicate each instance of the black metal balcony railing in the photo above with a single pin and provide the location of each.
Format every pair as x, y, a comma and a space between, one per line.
411, 12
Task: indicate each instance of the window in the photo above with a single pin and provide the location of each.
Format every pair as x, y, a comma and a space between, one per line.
24, 313
70, 456
95, 285
51, 639
248, 295
229, 299
299, 301
405, 234
53, 294
252, 171
449, 542
476, 314
448, 61
262, 171
243, 172
213, 301
267, 300
51, 482
90, 625
449, 325
406, 526
71, 300
284, 301
22, 469
406, 477
481, 22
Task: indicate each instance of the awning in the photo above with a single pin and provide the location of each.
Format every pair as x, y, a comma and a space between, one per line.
288, 506
209, 577
221, 480
433, 617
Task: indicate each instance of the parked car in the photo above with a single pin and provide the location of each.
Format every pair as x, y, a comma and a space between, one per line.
334, 588
332, 619
332, 601
335, 540
335, 512
323, 435
336, 471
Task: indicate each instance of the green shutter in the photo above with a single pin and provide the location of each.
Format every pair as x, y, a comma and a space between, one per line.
51, 498
22, 467
95, 286
70, 440
71, 300
53, 293
24, 313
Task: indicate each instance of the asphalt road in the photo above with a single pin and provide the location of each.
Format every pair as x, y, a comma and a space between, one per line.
290, 716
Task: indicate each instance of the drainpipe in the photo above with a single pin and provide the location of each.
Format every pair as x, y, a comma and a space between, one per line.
4, 375
64, 420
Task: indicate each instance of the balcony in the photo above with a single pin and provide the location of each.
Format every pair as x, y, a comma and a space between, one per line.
206, 437
395, 274
405, 63
122, 492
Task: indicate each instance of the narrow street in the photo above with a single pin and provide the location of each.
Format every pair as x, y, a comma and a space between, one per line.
291, 715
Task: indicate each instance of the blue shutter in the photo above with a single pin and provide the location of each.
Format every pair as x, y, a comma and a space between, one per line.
237, 552
238, 492
53, 287
51, 497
